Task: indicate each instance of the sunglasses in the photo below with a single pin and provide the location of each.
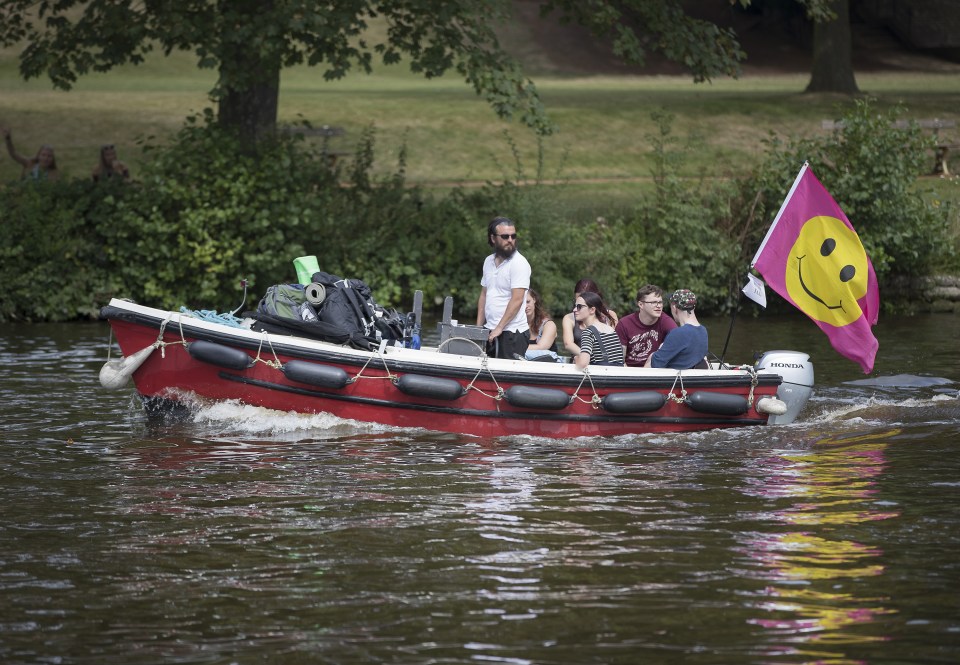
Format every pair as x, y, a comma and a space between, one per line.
578, 307
507, 236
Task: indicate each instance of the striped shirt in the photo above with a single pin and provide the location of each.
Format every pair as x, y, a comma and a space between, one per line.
609, 345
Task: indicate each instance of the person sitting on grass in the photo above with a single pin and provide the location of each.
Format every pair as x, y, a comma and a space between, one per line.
109, 166
41, 167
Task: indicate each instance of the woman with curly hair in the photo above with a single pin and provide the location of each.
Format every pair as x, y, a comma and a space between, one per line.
543, 331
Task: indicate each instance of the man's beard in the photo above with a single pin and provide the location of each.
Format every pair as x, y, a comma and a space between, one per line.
503, 253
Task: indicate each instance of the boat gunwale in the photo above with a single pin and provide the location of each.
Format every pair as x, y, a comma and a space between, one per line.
433, 364
699, 419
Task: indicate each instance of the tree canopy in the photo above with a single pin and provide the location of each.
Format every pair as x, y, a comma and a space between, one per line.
250, 42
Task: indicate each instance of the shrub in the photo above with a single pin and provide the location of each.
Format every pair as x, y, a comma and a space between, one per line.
676, 238
870, 167
207, 212
50, 262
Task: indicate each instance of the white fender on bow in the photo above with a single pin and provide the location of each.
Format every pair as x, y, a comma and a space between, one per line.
116, 373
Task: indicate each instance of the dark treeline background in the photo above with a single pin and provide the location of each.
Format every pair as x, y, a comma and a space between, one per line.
205, 214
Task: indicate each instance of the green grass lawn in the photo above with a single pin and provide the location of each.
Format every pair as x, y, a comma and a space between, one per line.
452, 135
601, 149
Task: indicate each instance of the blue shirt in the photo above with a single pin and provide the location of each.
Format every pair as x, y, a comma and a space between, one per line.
682, 348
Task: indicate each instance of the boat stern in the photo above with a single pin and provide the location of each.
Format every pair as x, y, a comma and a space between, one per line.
796, 369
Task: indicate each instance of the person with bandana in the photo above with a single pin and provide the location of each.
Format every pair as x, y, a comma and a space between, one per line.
685, 347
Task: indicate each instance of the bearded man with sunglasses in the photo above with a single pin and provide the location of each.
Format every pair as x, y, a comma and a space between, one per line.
503, 289
642, 333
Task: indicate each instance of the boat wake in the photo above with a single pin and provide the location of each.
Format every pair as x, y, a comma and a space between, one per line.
853, 404
883, 408
232, 418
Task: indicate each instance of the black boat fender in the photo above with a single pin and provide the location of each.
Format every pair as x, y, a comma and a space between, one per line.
634, 402
324, 376
721, 404
432, 387
219, 355
528, 397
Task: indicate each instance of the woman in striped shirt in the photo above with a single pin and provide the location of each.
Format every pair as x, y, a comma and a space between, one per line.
599, 343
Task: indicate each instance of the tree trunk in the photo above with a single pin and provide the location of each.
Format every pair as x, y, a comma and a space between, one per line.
833, 54
249, 85
252, 112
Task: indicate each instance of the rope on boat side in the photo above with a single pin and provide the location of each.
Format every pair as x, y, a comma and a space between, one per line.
594, 401
160, 344
753, 383
683, 391
484, 366
754, 380
275, 363
390, 375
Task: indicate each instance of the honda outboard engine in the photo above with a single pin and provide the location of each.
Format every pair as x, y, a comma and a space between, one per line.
797, 372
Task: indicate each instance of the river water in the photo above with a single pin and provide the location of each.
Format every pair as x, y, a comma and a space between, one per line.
239, 535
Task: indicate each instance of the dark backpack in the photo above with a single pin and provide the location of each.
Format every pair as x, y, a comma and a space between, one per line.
347, 315
349, 304
279, 312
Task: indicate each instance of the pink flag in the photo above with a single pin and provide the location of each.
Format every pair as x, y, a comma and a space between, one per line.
813, 257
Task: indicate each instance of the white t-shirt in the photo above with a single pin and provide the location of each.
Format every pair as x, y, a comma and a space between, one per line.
514, 273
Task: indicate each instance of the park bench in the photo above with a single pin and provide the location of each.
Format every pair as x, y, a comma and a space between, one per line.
326, 132
942, 146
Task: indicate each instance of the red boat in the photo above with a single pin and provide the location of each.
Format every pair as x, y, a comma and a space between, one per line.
173, 356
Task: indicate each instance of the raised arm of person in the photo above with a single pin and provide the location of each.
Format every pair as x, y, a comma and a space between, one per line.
20, 159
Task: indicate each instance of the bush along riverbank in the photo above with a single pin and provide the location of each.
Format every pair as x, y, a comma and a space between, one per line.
205, 213
935, 293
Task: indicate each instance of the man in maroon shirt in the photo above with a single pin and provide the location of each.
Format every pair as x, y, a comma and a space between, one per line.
642, 333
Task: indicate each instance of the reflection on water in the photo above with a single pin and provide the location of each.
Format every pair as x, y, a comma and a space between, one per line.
250, 536
813, 602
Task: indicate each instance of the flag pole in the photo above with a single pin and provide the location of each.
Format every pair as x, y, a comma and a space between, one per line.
783, 207
733, 318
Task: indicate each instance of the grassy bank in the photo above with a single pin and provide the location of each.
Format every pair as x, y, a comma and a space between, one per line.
600, 155
602, 122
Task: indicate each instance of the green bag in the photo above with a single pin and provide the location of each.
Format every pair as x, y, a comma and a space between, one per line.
283, 301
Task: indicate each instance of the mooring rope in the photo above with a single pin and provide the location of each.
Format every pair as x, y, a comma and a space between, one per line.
485, 366
212, 316
378, 354
683, 391
594, 401
275, 363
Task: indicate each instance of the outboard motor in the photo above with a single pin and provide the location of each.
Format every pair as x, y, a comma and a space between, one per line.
797, 372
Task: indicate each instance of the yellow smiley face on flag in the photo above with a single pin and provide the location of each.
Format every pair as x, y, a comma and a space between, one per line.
827, 271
